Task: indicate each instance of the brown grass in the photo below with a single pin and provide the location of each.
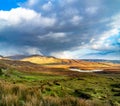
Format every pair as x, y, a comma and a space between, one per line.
66, 63
42, 60
58, 69
21, 95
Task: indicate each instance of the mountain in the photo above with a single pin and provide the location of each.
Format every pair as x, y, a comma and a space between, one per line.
53, 62
25, 67
102, 60
1, 57
17, 57
49, 62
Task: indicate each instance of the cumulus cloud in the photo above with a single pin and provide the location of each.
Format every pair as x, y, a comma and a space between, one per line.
91, 10
76, 20
47, 6
107, 43
29, 3
13, 50
55, 27
64, 54
10, 49
71, 1
32, 50
58, 35
108, 38
32, 2
21, 16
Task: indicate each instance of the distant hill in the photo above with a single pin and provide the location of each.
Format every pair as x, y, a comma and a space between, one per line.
49, 62
17, 57
1, 57
38, 59
102, 60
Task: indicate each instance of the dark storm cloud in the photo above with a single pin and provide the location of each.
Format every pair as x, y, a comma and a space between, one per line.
56, 26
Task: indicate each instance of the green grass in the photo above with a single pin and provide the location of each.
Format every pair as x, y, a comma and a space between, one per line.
98, 88
22, 77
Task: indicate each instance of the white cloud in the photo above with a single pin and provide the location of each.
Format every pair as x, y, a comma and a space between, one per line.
115, 22
32, 2
64, 3
47, 6
103, 43
119, 40
57, 36
70, 12
92, 40
76, 19
16, 16
85, 53
32, 50
97, 44
13, 50
63, 54
104, 40
10, 50
22, 17
71, 1
91, 10
77, 52
29, 3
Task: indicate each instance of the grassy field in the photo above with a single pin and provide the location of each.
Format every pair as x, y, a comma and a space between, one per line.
18, 88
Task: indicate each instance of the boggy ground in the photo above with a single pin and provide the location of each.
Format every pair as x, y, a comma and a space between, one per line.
27, 84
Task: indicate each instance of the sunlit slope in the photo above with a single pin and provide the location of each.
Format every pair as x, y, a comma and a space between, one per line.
62, 68
42, 60
85, 65
53, 62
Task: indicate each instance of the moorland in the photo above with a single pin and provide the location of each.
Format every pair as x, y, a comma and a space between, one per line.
48, 81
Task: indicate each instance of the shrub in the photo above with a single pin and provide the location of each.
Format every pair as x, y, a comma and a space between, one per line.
117, 94
115, 85
1, 73
82, 94
116, 89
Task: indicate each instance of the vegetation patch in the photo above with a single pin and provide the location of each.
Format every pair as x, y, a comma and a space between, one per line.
33, 88
82, 94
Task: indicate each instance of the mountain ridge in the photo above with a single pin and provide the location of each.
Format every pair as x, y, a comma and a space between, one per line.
52, 62
102, 60
35, 58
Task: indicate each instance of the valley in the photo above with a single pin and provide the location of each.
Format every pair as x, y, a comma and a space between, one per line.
48, 81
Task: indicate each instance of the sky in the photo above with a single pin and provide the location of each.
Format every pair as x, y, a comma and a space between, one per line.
77, 29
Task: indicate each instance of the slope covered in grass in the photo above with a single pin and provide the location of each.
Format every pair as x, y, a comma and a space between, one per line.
24, 88
28, 84
53, 62
42, 60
